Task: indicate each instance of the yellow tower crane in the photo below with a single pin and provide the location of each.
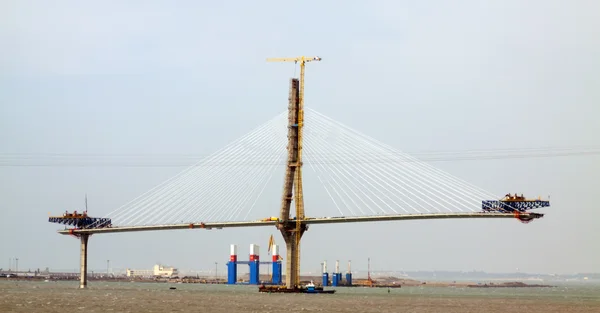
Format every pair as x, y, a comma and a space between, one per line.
293, 270
302, 60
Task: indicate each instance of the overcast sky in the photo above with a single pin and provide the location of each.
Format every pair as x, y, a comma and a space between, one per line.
188, 77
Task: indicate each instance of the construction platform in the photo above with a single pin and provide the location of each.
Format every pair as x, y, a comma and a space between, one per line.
81, 220
513, 203
283, 289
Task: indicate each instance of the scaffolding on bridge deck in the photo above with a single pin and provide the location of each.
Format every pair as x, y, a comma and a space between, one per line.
82, 221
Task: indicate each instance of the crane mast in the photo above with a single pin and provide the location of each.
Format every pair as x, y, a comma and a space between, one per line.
292, 232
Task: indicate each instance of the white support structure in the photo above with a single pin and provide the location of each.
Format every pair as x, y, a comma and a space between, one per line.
254, 252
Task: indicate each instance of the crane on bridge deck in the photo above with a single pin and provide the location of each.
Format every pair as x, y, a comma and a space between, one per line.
515, 204
81, 220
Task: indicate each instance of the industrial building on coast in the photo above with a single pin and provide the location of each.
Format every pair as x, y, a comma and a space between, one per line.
158, 271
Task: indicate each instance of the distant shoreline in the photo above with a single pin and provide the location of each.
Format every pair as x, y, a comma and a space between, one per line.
387, 283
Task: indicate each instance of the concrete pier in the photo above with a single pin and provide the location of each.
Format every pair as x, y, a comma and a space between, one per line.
83, 264
291, 230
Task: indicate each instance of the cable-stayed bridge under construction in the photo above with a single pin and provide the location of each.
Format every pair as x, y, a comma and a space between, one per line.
346, 176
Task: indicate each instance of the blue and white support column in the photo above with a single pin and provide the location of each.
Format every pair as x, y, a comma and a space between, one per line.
349, 275
325, 274
336, 279
254, 265
232, 266
276, 266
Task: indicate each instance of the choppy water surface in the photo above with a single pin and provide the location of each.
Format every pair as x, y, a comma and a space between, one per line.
157, 297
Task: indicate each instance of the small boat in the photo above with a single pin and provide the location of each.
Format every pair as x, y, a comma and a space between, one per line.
311, 288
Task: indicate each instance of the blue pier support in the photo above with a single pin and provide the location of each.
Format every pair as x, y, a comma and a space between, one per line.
334, 279
254, 265
231, 273
325, 279
276, 273
254, 272
232, 266
348, 279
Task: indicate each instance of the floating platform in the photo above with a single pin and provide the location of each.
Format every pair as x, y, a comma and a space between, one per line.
283, 289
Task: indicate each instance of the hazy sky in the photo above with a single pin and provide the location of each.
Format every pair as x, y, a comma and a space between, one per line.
188, 77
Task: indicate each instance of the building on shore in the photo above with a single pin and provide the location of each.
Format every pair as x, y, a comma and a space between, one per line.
158, 271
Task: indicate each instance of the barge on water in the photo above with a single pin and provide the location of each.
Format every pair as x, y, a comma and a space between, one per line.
309, 288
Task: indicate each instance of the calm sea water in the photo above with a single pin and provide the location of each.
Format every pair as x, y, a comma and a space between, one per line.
20, 296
